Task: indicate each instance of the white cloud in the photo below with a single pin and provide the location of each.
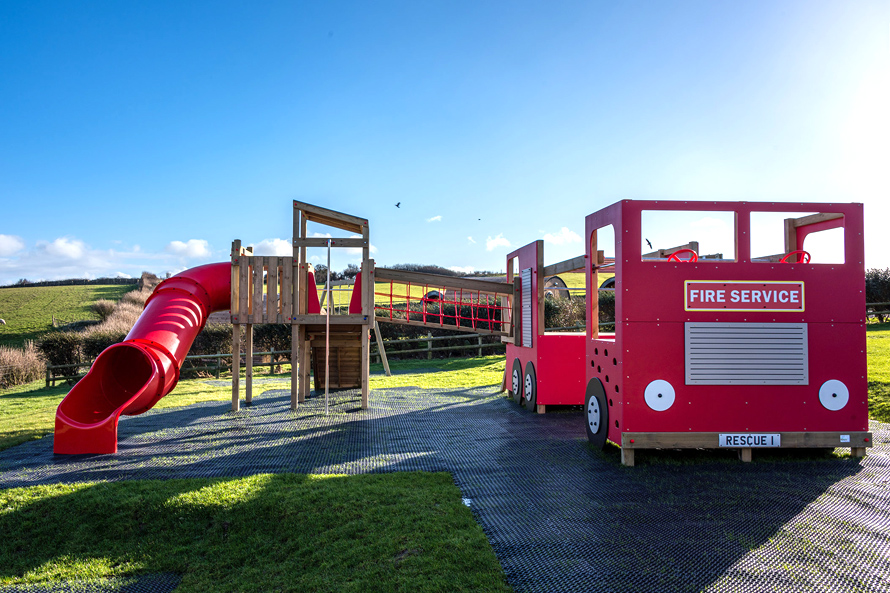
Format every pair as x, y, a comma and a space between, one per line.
122, 275
276, 247
462, 269
10, 244
64, 247
562, 237
437, 218
191, 248
493, 243
471, 240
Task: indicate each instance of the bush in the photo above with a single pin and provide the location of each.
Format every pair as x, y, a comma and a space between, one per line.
274, 336
103, 308
213, 339
97, 341
20, 365
60, 348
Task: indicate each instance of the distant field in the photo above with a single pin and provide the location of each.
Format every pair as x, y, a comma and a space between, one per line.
28, 311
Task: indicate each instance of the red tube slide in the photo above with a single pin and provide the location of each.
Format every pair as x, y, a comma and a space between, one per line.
130, 377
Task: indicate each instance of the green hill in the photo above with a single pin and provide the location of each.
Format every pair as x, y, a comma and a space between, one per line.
29, 311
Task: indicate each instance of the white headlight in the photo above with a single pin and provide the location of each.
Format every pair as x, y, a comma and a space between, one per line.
659, 395
834, 395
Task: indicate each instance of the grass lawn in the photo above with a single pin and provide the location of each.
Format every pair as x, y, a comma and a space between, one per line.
285, 532
878, 348
28, 311
390, 532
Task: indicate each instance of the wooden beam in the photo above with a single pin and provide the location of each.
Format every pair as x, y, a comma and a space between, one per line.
814, 219
323, 242
332, 218
439, 280
569, 265
710, 440
335, 319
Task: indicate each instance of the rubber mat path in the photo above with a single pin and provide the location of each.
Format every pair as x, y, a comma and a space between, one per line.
559, 515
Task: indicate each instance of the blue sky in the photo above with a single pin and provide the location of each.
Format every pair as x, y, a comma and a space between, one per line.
148, 136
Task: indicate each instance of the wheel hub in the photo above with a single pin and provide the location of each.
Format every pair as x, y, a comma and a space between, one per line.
593, 414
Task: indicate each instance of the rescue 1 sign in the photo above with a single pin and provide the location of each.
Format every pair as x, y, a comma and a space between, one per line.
743, 295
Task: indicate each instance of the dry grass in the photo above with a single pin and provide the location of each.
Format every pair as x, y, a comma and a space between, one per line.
123, 315
20, 365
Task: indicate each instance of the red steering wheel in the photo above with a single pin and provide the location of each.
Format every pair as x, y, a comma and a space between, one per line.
675, 256
803, 257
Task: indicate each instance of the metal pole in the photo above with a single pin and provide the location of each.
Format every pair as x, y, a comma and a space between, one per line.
327, 334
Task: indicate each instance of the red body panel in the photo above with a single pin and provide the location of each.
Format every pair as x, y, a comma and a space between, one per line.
558, 358
650, 312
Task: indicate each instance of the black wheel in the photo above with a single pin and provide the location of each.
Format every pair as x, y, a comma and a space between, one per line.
530, 387
596, 413
516, 381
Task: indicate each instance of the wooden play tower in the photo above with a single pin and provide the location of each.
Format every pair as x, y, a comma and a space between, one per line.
274, 289
332, 337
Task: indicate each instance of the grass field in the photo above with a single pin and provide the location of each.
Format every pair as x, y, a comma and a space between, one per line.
28, 311
262, 533
284, 532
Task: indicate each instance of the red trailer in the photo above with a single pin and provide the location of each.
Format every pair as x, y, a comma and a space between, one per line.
543, 368
747, 349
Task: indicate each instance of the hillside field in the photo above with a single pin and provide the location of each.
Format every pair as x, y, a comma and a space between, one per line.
28, 311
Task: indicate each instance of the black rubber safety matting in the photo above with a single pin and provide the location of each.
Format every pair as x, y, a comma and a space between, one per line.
560, 515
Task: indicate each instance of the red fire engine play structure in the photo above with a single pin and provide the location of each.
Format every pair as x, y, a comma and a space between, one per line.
757, 351
745, 351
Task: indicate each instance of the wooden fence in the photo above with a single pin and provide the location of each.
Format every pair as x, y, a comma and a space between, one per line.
220, 362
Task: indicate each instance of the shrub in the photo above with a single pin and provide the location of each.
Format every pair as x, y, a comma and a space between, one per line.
60, 348
214, 338
103, 308
20, 365
273, 336
97, 341
136, 297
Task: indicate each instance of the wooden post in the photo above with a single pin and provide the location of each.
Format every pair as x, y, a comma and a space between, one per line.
235, 312
367, 297
627, 457
857, 451
479, 341
380, 349
745, 454
218, 364
248, 362
236, 366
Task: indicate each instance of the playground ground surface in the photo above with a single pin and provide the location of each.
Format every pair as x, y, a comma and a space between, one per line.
558, 515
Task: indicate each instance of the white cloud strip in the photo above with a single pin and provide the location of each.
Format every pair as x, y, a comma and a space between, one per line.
562, 237
492, 243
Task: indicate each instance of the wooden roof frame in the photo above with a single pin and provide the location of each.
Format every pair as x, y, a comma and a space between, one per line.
332, 218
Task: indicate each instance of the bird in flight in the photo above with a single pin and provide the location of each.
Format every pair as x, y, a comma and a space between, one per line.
649, 243
398, 204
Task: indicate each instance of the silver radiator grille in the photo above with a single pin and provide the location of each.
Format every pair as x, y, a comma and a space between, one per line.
746, 354
526, 288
